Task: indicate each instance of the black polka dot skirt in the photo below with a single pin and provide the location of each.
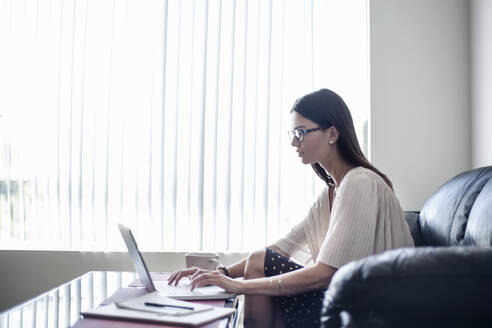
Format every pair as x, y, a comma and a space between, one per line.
300, 310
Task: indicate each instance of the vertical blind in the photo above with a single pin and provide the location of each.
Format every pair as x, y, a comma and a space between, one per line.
169, 116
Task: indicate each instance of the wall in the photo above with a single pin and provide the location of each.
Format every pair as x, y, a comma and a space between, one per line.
420, 121
481, 81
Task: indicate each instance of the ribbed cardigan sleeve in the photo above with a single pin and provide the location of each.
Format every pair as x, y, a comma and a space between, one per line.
303, 241
352, 233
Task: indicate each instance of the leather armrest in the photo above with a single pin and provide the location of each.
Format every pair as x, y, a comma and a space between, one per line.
415, 286
414, 225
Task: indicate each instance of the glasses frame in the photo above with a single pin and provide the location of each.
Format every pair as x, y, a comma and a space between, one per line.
293, 133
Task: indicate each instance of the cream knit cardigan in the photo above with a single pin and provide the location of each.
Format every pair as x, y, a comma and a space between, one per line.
367, 219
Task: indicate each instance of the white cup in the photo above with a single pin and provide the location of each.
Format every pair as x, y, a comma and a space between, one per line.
208, 261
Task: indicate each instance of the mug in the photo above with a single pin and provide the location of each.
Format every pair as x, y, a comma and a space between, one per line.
208, 261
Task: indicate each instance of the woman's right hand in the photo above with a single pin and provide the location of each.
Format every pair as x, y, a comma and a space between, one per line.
178, 275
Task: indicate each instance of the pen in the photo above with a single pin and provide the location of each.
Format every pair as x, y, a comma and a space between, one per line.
169, 305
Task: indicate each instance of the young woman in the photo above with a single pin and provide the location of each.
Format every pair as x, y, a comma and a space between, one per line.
356, 215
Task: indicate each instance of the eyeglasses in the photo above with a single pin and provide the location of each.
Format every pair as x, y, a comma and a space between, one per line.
300, 133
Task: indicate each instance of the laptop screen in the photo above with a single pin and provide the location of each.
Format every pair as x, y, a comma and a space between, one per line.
137, 258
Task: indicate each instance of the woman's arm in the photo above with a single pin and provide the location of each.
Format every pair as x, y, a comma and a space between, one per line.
236, 270
307, 279
303, 280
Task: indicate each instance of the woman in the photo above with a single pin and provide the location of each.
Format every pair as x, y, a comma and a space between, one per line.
356, 215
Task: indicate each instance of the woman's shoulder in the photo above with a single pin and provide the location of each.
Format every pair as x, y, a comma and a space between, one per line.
323, 196
364, 183
361, 175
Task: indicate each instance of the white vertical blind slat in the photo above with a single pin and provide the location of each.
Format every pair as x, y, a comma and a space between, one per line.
149, 190
201, 150
163, 122
82, 134
267, 124
71, 148
282, 115
176, 128
94, 226
243, 139
108, 130
254, 160
20, 184
187, 205
215, 128
312, 40
59, 126
229, 127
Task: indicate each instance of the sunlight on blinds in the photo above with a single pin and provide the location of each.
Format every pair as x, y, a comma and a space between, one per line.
168, 116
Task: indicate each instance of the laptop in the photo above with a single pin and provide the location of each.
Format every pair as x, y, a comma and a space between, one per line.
181, 291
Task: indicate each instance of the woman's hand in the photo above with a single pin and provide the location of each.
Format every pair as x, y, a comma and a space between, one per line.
178, 275
217, 278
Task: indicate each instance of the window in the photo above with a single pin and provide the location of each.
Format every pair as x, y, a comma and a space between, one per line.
169, 116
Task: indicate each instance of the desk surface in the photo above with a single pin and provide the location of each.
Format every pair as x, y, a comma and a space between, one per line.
61, 306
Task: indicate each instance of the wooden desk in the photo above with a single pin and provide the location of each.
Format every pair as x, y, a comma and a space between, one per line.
61, 306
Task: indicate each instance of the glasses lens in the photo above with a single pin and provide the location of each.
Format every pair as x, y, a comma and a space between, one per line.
296, 133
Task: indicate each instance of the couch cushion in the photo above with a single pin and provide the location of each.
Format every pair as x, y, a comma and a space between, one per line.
414, 225
479, 228
447, 213
414, 287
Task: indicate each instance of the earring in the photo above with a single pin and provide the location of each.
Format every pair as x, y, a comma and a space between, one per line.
331, 142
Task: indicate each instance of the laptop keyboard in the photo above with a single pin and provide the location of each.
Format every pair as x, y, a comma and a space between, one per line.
183, 289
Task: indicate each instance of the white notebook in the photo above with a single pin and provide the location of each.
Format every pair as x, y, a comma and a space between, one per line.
187, 314
156, 303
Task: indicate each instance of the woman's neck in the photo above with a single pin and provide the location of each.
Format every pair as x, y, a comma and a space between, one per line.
337, 169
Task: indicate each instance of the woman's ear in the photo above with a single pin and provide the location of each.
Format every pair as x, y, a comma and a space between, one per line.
333, 134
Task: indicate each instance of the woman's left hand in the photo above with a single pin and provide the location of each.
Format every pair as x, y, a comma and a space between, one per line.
216, 278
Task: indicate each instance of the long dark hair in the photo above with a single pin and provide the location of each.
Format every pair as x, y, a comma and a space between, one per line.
327, 109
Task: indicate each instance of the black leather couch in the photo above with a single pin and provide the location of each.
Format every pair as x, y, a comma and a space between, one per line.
446, 281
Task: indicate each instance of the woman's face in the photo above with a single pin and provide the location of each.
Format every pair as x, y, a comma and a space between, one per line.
315, 147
